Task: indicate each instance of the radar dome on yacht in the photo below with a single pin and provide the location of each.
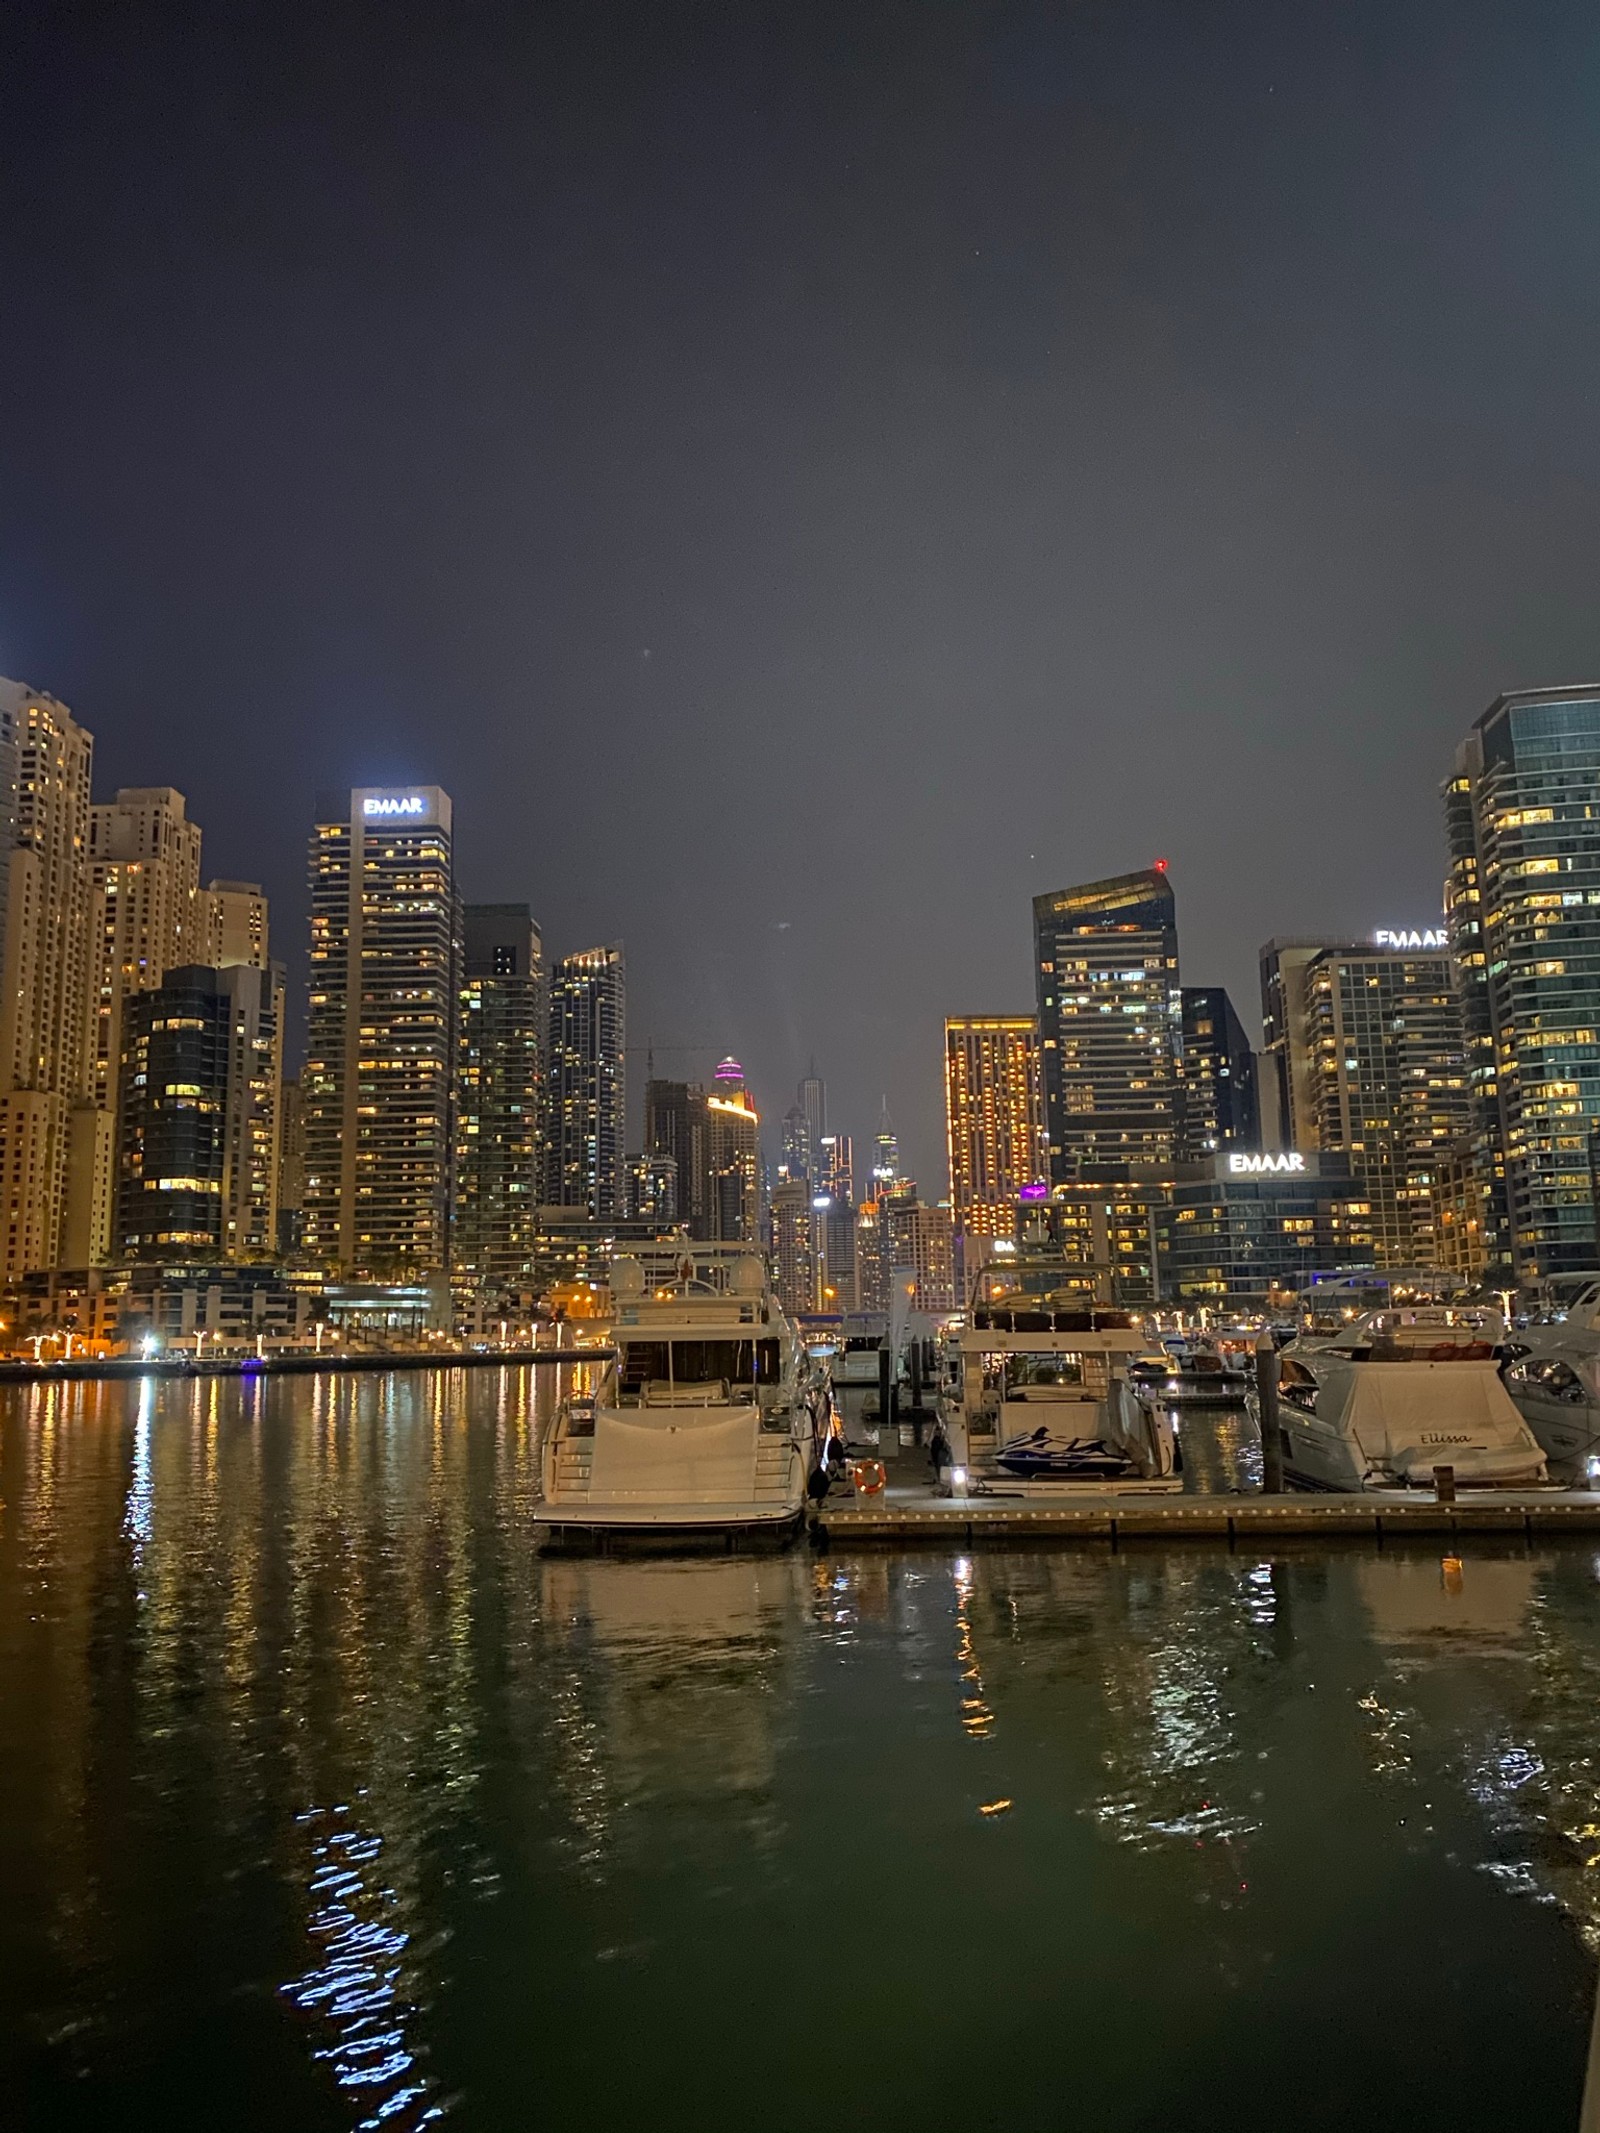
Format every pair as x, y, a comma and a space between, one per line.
749, 1277
627, 1279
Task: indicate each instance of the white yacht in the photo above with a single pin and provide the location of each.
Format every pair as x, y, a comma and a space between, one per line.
708, 1418
1036, 1389
1382, 1401
1555, 1380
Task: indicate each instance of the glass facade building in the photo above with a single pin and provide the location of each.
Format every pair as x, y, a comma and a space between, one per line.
1220, 1108
1524, 817
1110, 1023
1226, 1240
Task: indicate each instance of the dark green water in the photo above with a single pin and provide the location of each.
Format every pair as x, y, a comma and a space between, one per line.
325, 1802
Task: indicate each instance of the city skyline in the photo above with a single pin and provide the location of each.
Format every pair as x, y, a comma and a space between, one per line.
227, 920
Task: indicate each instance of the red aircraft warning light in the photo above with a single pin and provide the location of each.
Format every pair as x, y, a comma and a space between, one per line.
1161, 866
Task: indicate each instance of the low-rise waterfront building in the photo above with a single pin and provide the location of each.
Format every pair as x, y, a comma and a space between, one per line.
1246, 1227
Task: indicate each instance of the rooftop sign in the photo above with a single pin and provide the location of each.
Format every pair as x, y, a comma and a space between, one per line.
1430, 937
385, 805
1257, 1166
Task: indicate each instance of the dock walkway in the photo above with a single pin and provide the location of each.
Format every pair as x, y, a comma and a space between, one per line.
905, 1517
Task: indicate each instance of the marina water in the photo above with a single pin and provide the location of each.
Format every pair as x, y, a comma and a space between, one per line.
327, 1801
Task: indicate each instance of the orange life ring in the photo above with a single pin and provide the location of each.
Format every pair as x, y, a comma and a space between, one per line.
869, 1476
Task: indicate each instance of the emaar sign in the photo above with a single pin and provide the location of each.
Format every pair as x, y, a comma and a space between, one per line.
1430, 937
383, 805
1260, 1166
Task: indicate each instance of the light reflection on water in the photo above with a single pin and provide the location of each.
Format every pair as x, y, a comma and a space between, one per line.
326, 1801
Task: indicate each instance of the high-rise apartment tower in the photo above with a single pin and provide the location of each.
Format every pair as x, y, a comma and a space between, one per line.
587, 1105
503, 1027
1523, 812
993, 1119
1110, 1023
377, 1091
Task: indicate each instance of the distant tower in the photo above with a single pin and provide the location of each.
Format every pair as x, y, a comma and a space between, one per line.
587, 1106
886, 1153
814, 1102
733, 1160
799, 1147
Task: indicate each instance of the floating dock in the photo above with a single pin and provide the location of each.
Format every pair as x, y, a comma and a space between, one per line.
905, 1520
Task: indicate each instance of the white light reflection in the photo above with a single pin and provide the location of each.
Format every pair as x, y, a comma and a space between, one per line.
138, 1511
355, 1988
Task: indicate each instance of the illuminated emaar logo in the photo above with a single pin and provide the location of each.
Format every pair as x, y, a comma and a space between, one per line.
1255, 1166
1430, 937
411, 804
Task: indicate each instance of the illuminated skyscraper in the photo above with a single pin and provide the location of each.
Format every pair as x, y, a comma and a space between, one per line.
55, 1146
198, 1146
144, 853
236, 925
993, 1119
587, 1108
502, 1028
794, 1245
1388, 1086
377, 1091
838, 1166
733, 1159
1110, 1023
1219, 1076
1524, 914
800, 1152
885, 1153
922, 1244
1287, 1096
675, 1132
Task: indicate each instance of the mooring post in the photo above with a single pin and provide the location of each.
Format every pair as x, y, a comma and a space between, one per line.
1267, 1398
885, 1386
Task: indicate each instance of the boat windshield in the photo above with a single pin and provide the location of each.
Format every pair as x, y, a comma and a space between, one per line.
1022, 1371
741, 1365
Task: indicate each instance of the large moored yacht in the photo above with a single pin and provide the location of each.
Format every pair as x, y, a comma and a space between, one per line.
1036, 1385
706, 1420
1386, 1399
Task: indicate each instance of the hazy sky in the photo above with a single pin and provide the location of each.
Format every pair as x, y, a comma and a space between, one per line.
807, 478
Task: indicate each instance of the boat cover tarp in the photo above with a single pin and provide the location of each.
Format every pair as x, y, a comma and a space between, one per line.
656, 1454
1422, 1415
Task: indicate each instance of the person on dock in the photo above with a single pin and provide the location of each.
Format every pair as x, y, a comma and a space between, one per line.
939, 1456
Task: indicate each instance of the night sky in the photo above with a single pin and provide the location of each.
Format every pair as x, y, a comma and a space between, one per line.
807, 478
